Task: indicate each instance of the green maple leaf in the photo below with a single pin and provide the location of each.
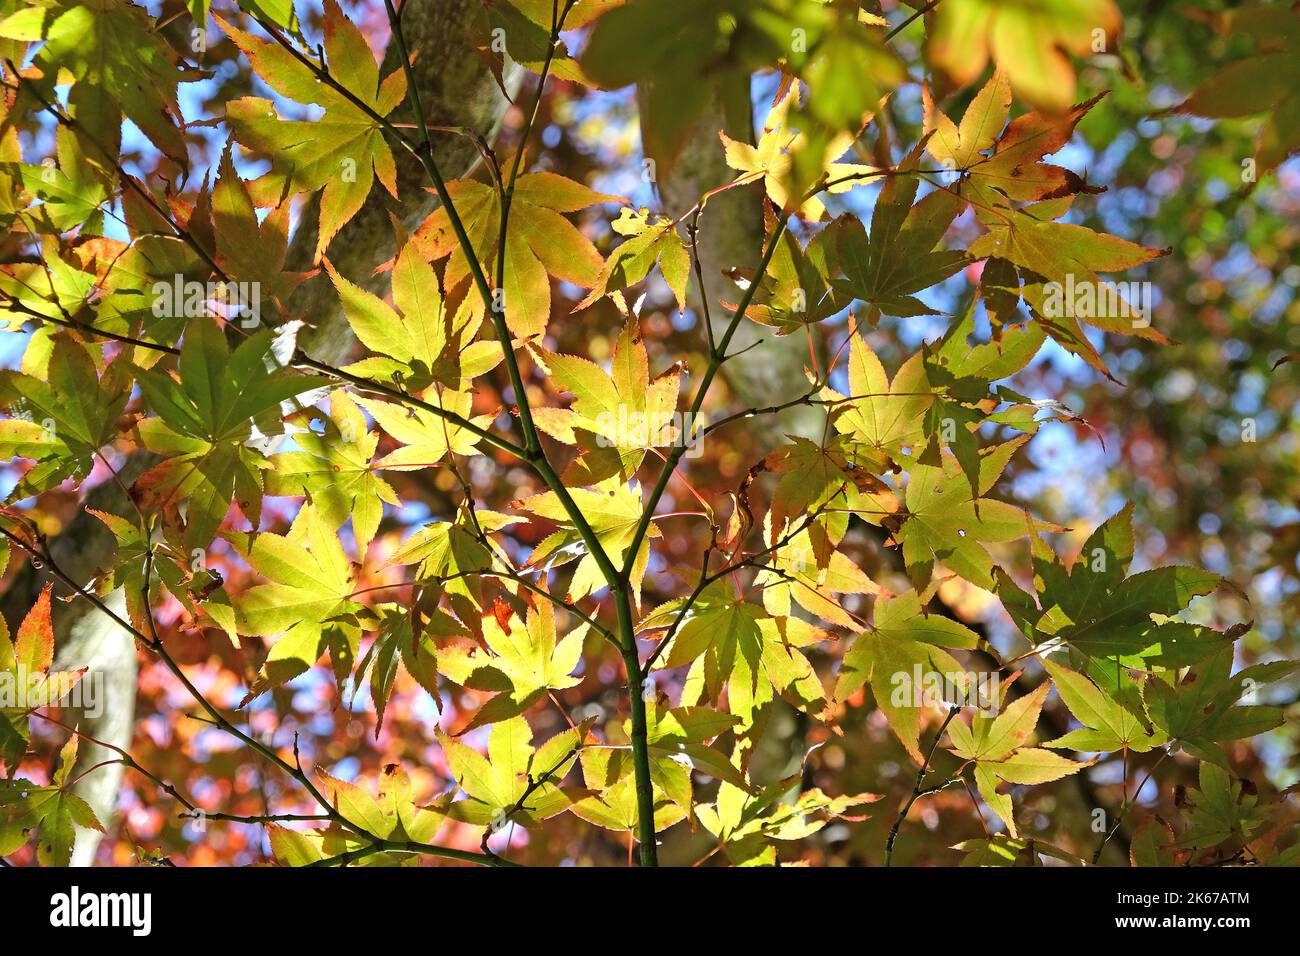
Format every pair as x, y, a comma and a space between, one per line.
1266, 82
796, 291
135, 554
526, 661
615, 416
995, 745
613, 510
397, 647
944, 521
738, 646
903, 643
393, 815
1094, 608
1002, 850
1202, 709
63, 421
1107, 724
333, 469
54, 810
745, 820
222, 396
803, 571
210, 424
344, 150
611, 800
678, 739
71, 193
1219, 810
118, 61
897, 259
447, 553
494, 783
541, 242
648, 241
884, 419
308, 603
423, 344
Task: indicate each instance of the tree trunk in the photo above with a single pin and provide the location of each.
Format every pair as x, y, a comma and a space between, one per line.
731, 235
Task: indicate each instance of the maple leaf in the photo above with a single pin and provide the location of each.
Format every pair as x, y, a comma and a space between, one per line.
739, 646
541, 243
119, 62
1220, 809
1107, 724
210, 424
423, 344
796, 291
426, 438
963, 147
397, 645
135, 553
808, 571
344, 150
525, 26
815, 488
1202, 709
332, 468
447, 553
904, 640
612, 799
995, 745
773, 161
616, 416
744, 820
1098, 611
245, 248
54, 810
944, 521
885, 418
886, 267
678, 742
308, 603
496, 782
25, 673
526, 662
393, 815
71, 193
649, 241
1002, 850
60, 422
1014, 168
1027, 39
613, 510
1266, 82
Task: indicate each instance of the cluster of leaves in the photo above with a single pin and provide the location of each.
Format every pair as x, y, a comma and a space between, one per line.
493, 613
